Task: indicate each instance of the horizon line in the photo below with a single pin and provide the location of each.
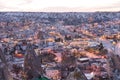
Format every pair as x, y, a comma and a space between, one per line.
60, 11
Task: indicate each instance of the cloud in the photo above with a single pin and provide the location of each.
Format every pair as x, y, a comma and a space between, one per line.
59, 5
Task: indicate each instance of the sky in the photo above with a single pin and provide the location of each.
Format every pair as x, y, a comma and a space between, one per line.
60, 5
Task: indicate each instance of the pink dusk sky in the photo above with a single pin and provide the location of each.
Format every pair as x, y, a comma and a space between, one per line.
60, 5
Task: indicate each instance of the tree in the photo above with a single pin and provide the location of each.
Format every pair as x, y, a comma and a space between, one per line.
77, 74
68, 61
4, 72
32, 64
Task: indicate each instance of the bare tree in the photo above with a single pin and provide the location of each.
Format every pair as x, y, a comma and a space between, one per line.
4, 72
32, 64
77, 74
68, 61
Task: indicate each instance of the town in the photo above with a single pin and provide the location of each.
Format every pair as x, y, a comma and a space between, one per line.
60, 46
